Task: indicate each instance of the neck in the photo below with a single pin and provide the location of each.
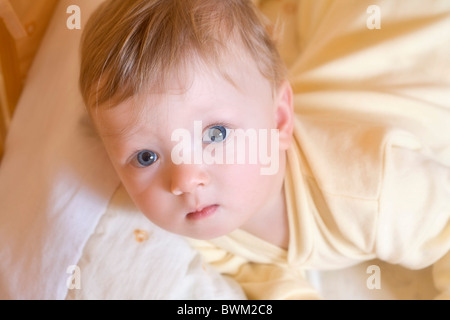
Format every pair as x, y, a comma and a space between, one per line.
271, 225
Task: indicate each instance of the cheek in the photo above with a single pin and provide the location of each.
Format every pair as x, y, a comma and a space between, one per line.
155, 205
244, 182
145, 191
147, 200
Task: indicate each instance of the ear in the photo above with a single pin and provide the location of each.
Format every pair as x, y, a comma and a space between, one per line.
284, 114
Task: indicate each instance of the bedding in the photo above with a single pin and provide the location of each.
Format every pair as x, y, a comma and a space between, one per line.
68, 230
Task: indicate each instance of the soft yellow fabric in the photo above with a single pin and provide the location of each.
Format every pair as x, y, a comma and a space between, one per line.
260, 281
369, 174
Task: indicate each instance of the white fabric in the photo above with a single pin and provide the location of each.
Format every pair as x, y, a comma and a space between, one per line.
55, 180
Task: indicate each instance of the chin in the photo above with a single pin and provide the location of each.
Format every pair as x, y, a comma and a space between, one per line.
209, 235
206, 237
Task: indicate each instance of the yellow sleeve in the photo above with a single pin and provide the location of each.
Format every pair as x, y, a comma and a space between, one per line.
259, 281
414, 220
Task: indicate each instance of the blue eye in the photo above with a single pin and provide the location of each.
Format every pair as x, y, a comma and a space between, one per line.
146, 158
215, 134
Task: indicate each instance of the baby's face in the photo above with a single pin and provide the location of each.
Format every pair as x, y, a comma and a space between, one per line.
185, 164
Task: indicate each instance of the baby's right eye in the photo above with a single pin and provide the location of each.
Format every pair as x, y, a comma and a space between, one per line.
146, 158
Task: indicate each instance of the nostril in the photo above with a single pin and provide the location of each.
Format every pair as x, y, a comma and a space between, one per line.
177, 192
187, 178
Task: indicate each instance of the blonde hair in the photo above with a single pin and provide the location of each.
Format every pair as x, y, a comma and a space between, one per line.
131, 45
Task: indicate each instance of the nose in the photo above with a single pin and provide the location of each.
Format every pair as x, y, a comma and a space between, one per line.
186, 178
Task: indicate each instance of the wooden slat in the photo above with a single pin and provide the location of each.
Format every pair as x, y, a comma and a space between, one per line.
35, 16
12, 21
3, 131
12, 81
4, 116
22, 26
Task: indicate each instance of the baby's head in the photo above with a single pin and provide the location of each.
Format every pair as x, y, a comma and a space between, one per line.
191, 101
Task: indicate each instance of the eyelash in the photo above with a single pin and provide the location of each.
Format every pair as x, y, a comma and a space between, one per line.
219, 124
134, 158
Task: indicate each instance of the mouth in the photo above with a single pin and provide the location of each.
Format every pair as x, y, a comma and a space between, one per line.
202, 213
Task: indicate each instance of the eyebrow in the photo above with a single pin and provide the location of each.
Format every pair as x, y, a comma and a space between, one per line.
124, 132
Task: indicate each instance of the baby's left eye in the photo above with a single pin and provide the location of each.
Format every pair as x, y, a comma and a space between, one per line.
215, 134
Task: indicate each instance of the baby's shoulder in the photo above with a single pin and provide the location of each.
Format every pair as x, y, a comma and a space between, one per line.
344, 156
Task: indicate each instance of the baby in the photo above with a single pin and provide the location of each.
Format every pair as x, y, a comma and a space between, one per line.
192, 103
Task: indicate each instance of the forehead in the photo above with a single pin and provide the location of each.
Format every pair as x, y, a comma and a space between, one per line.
197, 89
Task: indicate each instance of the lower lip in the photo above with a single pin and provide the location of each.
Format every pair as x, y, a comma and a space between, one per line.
204, 213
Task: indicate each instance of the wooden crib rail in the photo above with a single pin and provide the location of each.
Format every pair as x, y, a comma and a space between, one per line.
11, 20
22, 26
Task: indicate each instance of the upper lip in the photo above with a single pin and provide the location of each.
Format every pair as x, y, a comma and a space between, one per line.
200, 208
